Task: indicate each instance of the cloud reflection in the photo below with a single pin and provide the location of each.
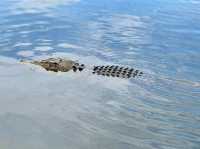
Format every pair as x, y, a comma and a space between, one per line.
43, 48
36, 6
25, 53
68, 45
124, 28
123, 33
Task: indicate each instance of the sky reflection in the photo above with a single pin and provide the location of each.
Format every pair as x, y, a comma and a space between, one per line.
38, 6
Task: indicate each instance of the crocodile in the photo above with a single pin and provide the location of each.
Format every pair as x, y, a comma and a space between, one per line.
65, 65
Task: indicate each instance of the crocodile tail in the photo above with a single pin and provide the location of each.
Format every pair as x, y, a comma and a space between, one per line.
116, 71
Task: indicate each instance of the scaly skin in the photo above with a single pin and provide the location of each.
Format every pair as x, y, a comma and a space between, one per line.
64, 65
116, 71
56, 64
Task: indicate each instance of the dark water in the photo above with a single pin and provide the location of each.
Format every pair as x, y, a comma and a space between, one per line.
40, 110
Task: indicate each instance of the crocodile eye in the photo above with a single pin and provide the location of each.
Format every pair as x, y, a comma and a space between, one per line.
74, 68
76, 64
80, 69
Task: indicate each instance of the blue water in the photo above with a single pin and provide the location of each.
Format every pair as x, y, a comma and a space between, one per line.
40, 110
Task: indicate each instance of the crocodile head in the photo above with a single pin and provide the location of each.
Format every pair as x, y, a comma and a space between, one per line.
58, 64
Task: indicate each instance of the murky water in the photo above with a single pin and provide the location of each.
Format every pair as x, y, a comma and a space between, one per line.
42, 110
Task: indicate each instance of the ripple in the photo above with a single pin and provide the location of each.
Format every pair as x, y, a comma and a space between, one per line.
26, 53
37, 6
123, 28
22, 44
43, 48
158, 110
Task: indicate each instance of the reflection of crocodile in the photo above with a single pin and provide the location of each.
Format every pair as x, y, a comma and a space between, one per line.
64, 65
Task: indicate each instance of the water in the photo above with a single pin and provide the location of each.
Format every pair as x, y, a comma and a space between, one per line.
41, 110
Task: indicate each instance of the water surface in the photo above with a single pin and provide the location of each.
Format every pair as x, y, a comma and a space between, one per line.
41, 110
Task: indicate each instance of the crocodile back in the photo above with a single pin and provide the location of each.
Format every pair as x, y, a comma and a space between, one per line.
116, 71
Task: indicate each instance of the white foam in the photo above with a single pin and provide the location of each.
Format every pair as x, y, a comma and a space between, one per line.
36, 6
26, 53
20, 44
68, 45
43, 48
